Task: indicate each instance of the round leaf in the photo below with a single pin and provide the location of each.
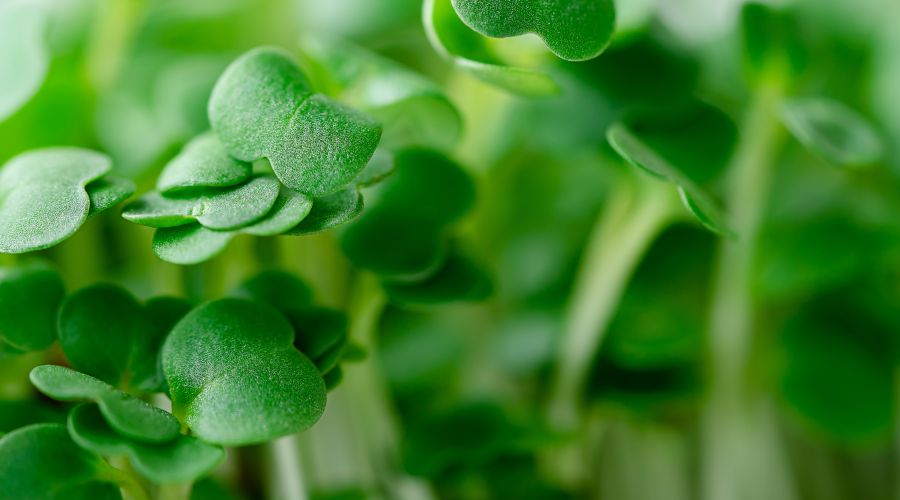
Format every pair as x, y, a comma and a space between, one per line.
29, 297
833, 131
235, 376
108, 191
129, 416
575, 30
203, 162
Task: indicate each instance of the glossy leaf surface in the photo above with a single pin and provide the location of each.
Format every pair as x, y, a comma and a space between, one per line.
29, 297
203, 162
42, 196
833, 131
183, 459
575, 30
235, 376
129, 416
262, 106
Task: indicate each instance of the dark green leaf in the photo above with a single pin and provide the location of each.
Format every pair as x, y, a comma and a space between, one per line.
772, 42
832, 130
184, 459
15, 414
280, 290
42, 196
458, 280
24, 57
203, 162
263, 106
235, 376
333, 378
108, 191
129, 416
29, 297
575, 30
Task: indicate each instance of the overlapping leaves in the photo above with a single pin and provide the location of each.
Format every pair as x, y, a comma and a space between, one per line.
29, 297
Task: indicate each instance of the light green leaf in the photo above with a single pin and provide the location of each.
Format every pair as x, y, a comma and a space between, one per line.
203, 163
42, 196
458, 280
193, 243
108, 191
262, 105
129, 416
832, 130
235, 376
456, 43
215, 208
184, 459
24, 57
40, 462
575, 30
29, 297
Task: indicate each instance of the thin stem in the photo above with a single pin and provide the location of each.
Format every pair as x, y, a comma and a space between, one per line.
177, 491
285, 474
125, 481
740, 442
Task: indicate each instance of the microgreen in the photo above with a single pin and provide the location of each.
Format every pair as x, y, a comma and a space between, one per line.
29, 297
459, 279
203, 163
832, 130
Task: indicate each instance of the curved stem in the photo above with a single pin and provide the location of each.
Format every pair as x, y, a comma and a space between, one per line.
125, 481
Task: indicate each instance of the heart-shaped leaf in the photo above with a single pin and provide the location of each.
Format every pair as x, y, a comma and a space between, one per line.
458, 280
262, 106
108, 191
413, 109
215, 208
832, 130
575, 30
235, 376
184, 459
107, 334
400, 235
129, 416
203, 163
24, 58
467, 50
194, 243
41, 462
29, 297
42, 196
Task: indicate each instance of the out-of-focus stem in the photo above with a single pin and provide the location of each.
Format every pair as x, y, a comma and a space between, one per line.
110, 40
285, 474
177, 491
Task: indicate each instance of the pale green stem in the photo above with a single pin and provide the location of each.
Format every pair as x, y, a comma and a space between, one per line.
125, 481
108, 46
284, 472
177, 491
741, 450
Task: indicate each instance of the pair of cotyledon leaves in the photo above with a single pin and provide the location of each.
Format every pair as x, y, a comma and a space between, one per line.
47, 194
574, 30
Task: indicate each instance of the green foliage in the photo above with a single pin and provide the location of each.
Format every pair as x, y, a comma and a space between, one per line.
129, 416
24, 57
833, 131
458, 280
773, 44
203, 163
262, 106
235, 376
183, 459
43, 198
108, 192
574, 30
29, 296
467, 50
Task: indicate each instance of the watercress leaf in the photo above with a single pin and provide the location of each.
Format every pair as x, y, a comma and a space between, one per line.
193, 243
235, 376
24, 58
458, 280
467, 50
183, 459
413, 109
203, 162
29, 296
640, 155
41, 462
42, 196
262, 106
162, 314
319, 330
353, 353
15, 414
575, 30
382, 165
215, 208
129, 416
333, 378
280, 290
107, 192
832, 130
7, 350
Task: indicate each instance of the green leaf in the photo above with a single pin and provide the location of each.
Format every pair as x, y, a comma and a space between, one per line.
203, 163
235, 376
42, 196
215, 208
193, 243
29, 297
772, 43
129, 416
401, 234
458, 280
575, 30
40, 462
642, 156
333, 378
107, 192
184, 459
280, 290
24, 58
320, 334
832, 130
413, 109
107, 334
15, 414
262, 105
467, 50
